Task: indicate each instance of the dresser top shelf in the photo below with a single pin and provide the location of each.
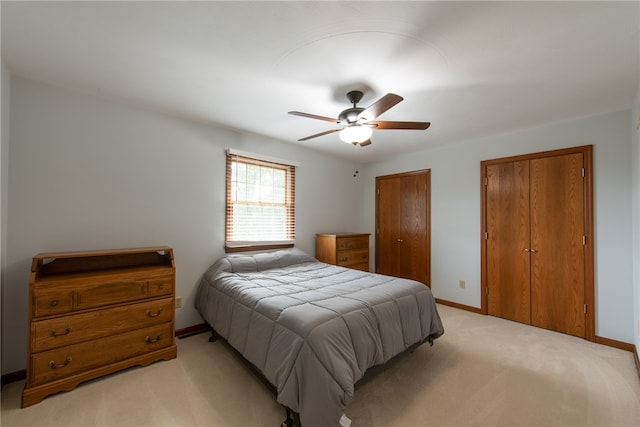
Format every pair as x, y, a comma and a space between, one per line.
343, 234
69, 263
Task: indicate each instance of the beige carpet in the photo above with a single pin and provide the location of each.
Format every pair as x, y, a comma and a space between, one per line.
483, 372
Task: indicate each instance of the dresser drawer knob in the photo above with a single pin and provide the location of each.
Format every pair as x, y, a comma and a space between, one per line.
66, 331
152, 314
54, 303
150, 340
54, 365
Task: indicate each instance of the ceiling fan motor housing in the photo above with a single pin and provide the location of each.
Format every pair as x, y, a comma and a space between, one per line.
355, 96
350, 115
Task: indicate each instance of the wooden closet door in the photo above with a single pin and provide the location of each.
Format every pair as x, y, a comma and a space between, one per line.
558, 248
548, 195
388, 226
413, 262
402, 226
508, 264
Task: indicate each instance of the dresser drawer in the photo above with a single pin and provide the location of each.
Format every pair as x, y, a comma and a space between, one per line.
361, 267
353, 257
110, 293
160, 287
57, 332
46, 303
65, 361
349, 243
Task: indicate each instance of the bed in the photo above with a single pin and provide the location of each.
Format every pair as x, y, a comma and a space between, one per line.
313, 329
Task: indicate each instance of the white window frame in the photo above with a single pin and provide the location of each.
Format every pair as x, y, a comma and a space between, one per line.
232, 242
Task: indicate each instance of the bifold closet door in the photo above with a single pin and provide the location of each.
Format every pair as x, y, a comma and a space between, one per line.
414, 258
402, 225
557, 244
535, 242
388, 226
508, 261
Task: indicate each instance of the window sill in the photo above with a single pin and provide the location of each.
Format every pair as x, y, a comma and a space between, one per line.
250, 248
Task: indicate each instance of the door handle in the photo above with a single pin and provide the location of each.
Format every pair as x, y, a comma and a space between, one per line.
400, 240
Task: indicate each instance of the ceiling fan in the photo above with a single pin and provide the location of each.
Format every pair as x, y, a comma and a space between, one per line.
358, 123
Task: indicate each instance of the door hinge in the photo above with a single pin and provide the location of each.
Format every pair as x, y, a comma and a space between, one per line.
583, 172
486, 290
486, 181
585, 309
486, 235
584, 240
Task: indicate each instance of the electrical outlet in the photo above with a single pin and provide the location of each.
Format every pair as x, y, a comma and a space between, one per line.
462, 284
178, 302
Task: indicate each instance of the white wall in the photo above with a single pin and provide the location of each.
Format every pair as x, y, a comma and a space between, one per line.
5, 90
635, 128
455, 209
87, 173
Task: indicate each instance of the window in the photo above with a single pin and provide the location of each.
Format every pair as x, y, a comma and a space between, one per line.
260, 209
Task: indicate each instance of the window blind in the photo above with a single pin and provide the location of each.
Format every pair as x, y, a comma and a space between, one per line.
260, 202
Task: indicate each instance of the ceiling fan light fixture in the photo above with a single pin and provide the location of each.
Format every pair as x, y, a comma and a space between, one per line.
355, 134
357, 122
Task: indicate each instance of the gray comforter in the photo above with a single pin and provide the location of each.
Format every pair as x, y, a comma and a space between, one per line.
311, 328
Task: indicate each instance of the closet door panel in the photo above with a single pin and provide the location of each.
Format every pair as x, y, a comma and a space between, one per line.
508, 266
558, 256
413, 223
388, 226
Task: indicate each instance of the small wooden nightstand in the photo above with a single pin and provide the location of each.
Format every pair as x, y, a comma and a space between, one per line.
349, 250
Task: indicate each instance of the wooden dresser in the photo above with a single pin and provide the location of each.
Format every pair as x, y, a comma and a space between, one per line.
344, 249
94, 313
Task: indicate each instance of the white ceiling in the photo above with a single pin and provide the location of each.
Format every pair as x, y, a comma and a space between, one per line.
472, 69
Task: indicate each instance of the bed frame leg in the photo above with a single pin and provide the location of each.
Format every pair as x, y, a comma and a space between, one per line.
293, 419
213, 337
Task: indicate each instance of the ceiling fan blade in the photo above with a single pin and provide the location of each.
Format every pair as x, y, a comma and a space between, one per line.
380, 106
365, 143
400, 125
313, 116
327, 132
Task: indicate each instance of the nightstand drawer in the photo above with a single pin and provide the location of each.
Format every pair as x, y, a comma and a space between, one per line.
65, 361
353, 257
53, 333
350, 243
